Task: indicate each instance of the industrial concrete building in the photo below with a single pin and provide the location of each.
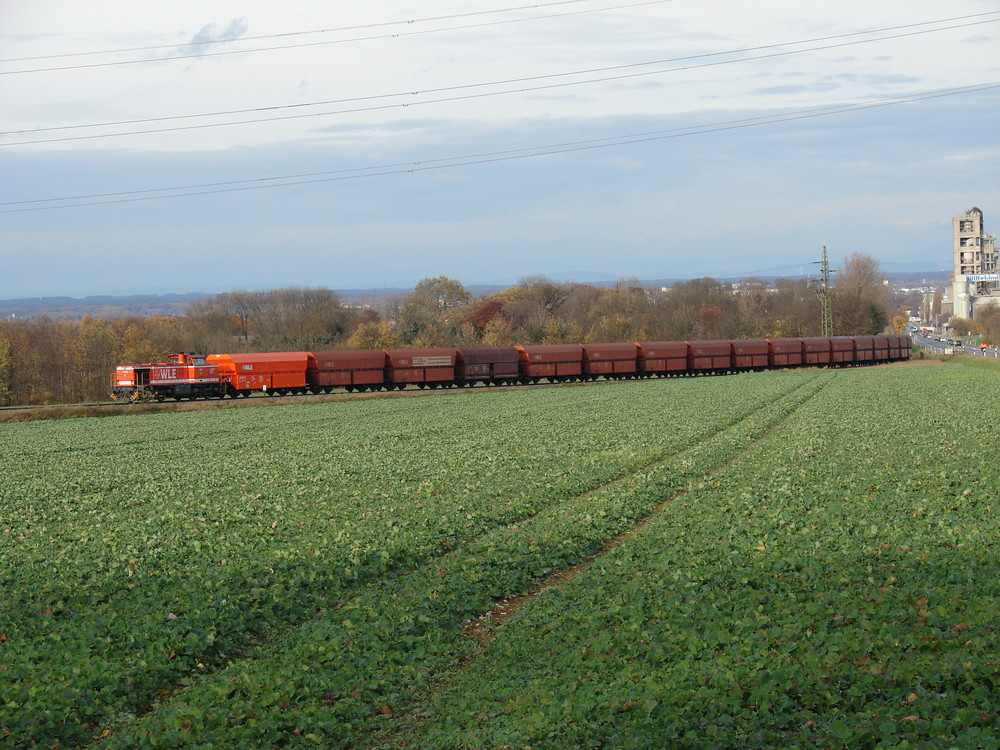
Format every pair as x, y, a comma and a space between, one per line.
976, 279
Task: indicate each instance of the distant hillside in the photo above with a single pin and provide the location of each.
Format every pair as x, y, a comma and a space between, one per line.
105, 306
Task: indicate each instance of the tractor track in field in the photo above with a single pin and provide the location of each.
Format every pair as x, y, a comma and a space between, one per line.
483, 630
720, 429
483, 627
255, 644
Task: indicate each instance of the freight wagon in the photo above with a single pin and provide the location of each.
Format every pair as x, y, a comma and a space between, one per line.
427, 368
610, 361
554, 362
710, 356
751, 354
353, 370
784, 352
662, 358
279, 373
488, 365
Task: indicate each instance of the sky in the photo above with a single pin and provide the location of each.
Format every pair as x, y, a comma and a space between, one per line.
191, 146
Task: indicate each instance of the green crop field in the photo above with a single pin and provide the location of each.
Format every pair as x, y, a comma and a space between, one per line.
782, 559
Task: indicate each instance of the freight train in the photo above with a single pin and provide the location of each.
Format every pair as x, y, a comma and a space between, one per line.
191, 376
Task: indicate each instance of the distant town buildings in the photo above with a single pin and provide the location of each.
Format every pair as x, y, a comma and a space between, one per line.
976, 267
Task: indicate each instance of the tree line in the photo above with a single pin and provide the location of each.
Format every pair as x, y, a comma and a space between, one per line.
49, 361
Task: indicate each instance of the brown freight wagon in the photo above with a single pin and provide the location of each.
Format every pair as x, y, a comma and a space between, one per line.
864, 348
881, 348
277, 373
750, 354
815, 350
842, 350
428, 368
905, 347
784, 352
552, 361
662, 357
359, 370
487, 364
709, 356
895, 347
609, 360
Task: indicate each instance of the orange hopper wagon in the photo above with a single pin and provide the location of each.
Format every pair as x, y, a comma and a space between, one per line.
276, 374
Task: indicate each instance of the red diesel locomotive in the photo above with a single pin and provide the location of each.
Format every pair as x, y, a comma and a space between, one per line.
190, 376
184, 376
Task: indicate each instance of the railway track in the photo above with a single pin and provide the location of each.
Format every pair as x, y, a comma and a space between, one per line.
114, 408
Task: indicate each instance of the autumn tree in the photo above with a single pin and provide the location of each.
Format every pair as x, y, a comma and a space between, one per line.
860, 297
499, 332
48, 361
550, 295
373, 334
795, 310
430, 316
696, 309
92, 349
619, 313
209, 326
526, 316
753, 302
6, 370
299, 318
439, 293
964, 326
988, 319
486, 312
20, 368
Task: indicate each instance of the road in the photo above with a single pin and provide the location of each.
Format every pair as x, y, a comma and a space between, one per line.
933, 344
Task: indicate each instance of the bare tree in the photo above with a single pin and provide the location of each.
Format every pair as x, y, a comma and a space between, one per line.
243, 306
860, 300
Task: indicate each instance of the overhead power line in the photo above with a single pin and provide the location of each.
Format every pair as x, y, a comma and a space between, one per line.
394, 35
261, 183
748, 51
337, 29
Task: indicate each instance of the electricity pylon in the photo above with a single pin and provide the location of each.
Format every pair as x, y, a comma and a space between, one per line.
824, 295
